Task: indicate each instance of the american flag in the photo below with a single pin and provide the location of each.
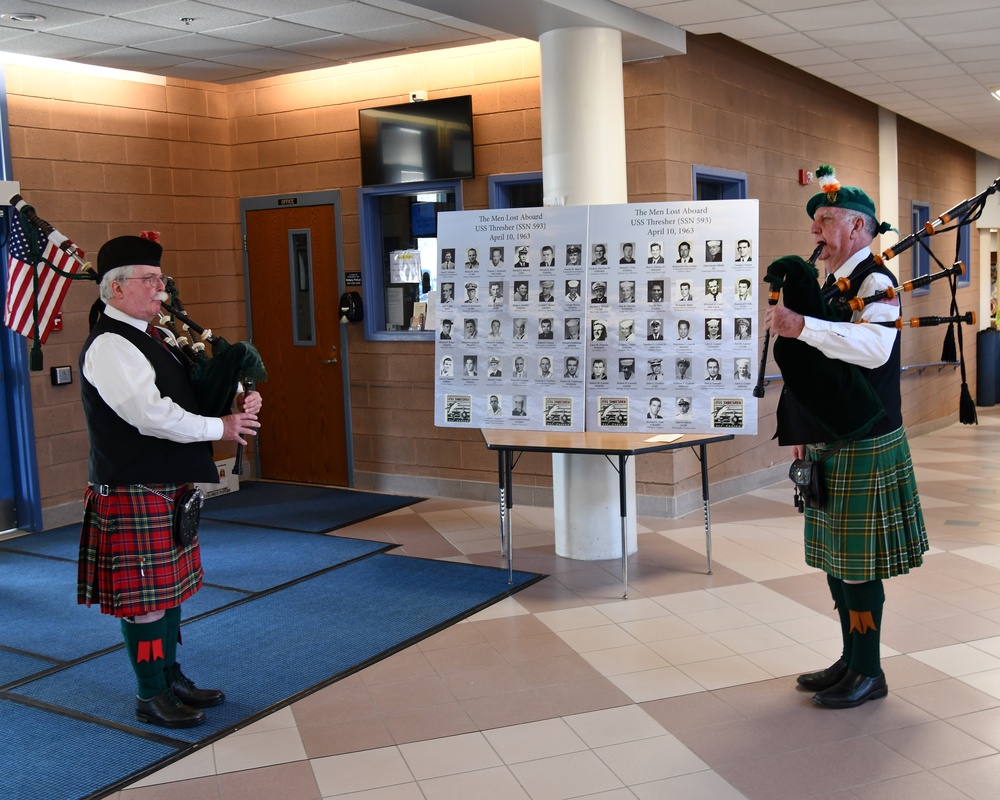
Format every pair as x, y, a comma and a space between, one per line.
52, 287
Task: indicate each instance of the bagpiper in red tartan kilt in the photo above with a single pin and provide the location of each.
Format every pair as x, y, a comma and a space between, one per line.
129, 564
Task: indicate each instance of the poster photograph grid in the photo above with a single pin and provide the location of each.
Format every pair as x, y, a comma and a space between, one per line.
634, 317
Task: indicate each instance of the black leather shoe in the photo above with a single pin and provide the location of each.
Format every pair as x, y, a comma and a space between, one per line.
191, 695
166, 710
853, 690
825, 678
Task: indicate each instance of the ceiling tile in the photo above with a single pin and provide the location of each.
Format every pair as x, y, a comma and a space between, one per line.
691, 12
424, 32
47, 46
853, 34
219, 73
203, 16
781, 44
54, 17
743, 28
269, 33
948, 41
355, 18
956, 23
270, 8
270, 59
865, 12
196, 46
340, 47
888, 50
111, 30
135, 60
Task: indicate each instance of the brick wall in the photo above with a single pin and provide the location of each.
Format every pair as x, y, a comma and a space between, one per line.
100, 157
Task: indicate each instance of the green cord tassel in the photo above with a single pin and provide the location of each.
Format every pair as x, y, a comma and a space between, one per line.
948, 352
35, 356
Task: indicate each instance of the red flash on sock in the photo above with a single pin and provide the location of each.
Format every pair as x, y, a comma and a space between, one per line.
149, 651
862, 622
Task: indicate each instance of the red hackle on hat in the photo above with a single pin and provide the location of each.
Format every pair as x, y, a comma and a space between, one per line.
153, 236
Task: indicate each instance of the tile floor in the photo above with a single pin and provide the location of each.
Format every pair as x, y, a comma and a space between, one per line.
685, 690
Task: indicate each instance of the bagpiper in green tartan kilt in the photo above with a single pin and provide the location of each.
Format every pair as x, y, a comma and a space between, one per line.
872, 526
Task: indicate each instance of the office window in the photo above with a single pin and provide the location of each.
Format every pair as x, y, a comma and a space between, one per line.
517, 190
718, 184
965, 254
300, 270
397, 223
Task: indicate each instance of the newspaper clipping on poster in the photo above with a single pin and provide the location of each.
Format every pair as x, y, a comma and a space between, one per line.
632, 318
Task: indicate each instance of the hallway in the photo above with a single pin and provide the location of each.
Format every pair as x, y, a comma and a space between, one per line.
685, 690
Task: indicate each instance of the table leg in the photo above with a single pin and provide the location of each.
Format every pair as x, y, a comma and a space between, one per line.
623, 505
704, 498
503, 504
509, 486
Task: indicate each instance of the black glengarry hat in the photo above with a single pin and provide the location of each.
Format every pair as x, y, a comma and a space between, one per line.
124, 251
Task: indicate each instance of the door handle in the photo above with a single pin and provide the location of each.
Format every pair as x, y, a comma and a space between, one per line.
328, 361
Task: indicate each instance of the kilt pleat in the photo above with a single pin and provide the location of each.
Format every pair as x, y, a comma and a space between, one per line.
129, 564
872, 526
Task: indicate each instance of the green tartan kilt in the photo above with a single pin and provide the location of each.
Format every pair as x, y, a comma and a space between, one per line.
872, 526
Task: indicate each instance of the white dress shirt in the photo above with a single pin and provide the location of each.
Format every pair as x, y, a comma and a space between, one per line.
865, 345
126, 381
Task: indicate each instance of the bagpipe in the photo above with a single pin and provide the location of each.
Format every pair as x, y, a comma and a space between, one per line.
835, 394
830, 394
215, 378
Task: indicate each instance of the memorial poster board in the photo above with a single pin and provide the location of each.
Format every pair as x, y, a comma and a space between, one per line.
635, 317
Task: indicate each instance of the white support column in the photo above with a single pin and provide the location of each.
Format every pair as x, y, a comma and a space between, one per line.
583, 163
888, 184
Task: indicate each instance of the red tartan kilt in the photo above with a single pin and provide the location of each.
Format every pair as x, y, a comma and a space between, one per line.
129, 564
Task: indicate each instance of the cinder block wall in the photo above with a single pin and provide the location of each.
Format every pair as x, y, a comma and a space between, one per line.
99, 157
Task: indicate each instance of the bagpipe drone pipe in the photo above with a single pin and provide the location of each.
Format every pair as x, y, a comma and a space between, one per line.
834, 395
962, 215
216, 378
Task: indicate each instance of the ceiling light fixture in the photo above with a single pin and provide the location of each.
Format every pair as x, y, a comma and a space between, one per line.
995, 91
23, 17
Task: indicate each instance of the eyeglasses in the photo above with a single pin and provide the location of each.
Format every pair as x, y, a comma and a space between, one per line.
151, 280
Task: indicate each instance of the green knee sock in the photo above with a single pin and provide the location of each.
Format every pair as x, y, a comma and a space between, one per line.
145, 644
864, 603
837, 593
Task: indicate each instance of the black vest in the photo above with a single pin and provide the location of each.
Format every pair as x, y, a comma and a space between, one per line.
884, 379
796, 425
119, 454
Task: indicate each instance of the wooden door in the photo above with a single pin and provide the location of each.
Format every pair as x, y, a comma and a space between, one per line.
303, 434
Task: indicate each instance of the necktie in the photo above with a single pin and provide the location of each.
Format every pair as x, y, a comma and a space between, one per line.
158, 336
830, 280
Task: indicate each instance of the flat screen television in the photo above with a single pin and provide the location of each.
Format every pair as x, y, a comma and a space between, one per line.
425, 141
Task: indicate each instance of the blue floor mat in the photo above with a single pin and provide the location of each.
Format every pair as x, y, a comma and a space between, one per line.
238, 560
304, 508
282, 614
61, 542
69, 758
254, 559
273, 648
15, 666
